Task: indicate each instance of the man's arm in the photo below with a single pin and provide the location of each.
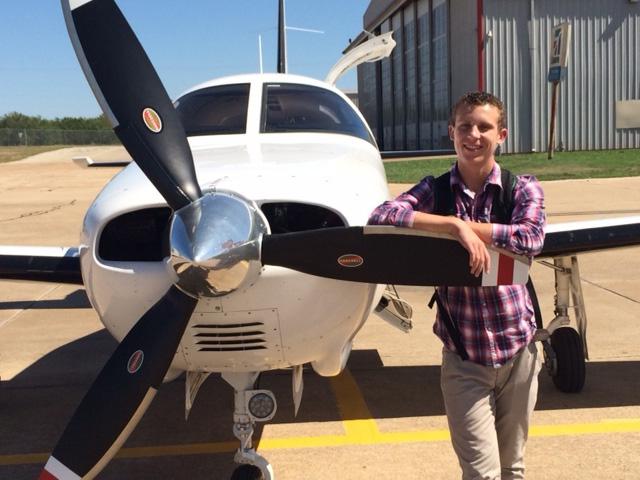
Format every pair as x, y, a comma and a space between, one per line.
408, 210
401, 211
462, 231
525, 234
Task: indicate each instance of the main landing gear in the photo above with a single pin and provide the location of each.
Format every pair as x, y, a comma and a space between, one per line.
565, 349
250, 406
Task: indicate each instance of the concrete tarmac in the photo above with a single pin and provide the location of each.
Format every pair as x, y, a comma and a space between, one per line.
382, 418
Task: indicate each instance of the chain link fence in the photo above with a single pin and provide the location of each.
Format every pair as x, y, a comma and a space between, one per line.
29, 136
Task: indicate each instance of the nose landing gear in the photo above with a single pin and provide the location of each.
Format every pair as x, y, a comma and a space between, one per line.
250, 406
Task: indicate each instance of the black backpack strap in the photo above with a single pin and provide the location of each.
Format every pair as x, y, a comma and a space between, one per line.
537, 314
452, 328
502, 206
443, 203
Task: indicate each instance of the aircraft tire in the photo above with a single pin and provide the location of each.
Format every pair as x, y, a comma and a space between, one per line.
247, 472
570, 371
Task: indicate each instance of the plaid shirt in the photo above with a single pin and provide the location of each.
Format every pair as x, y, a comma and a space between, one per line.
494, 322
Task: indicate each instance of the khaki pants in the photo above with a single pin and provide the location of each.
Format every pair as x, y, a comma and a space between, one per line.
488, 410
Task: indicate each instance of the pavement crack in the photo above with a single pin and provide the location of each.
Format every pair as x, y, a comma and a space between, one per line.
40, 212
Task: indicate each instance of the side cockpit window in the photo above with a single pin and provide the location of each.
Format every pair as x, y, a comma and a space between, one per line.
220, 110
289, 107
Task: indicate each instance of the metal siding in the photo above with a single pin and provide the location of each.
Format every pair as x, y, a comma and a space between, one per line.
508, 68
603, 68
464, 54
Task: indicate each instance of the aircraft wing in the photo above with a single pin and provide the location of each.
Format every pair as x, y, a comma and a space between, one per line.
44, 264
572, 238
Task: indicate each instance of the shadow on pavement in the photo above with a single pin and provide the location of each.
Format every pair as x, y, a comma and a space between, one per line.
36, 405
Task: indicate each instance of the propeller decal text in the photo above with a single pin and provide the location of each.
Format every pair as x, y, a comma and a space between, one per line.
152, 120
135, 361
350, 260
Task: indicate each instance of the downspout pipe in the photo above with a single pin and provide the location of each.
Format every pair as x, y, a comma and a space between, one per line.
533, 51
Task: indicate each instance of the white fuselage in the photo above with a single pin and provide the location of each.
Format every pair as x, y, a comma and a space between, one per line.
293, 318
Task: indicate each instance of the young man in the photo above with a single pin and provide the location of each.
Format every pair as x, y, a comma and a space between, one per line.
489, 396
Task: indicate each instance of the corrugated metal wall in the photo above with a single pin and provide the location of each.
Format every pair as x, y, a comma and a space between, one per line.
604, 63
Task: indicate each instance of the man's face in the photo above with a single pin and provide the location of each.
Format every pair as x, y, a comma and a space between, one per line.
476, 134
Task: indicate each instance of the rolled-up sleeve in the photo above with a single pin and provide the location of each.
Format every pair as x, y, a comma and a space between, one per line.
525, 234
401, 211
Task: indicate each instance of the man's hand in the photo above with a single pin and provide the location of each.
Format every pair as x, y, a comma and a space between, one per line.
464, 232
479, 259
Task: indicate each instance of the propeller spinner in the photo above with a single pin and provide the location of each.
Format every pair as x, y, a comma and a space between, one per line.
215, 244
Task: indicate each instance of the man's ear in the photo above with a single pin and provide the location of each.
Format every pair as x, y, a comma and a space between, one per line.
502, 135
451, 132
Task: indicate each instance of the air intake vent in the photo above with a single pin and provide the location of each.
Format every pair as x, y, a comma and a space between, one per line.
285, 217
229, 337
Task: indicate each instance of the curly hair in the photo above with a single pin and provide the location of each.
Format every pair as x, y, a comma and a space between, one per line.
476, 99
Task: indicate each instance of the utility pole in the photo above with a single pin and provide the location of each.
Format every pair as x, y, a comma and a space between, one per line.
560, 40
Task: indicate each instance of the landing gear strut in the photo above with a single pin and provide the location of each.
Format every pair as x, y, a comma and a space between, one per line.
251, 406
565, 349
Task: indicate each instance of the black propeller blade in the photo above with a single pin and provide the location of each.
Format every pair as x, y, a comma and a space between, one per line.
123, 390
133, 97
377, 255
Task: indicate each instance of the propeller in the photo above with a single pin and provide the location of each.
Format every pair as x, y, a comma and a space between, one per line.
219, 241
122, 391
137, 105
132, 97
387, 254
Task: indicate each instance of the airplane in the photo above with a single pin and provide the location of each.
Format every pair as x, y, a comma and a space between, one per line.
232, 245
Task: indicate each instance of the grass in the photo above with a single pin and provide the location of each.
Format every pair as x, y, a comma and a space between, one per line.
11, 154
564, 165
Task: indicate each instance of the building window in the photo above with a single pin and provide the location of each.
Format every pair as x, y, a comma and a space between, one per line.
424, 77
398, 82
387, 96
413, 88
410, 93
367, 101
440, 74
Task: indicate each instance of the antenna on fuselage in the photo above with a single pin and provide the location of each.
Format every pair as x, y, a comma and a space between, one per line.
282, 39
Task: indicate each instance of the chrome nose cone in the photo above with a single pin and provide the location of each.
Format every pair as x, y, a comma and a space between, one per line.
215, 244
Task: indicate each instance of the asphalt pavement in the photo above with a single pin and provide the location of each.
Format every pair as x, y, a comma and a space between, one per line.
383, 418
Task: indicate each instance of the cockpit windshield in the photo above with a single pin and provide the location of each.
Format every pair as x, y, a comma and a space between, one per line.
220, 110
289, 107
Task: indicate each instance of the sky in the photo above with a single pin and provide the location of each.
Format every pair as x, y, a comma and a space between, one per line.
188, 42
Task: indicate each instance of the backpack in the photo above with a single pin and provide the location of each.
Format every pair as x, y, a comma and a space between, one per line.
502, 208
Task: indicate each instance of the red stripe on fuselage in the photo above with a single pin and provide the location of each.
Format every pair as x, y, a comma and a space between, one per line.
505, 270
44, 475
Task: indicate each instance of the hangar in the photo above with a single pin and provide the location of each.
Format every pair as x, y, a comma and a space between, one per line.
447, 47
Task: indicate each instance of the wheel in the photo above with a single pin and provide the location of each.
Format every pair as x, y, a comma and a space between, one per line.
247, 472
570, 365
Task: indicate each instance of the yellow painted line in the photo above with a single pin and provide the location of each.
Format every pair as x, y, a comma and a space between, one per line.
360, 429
351, 404
322, 441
